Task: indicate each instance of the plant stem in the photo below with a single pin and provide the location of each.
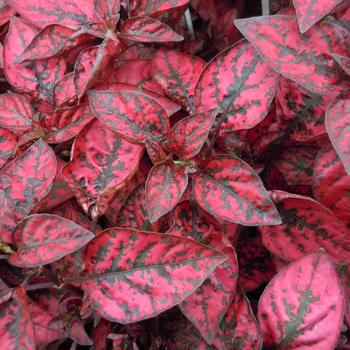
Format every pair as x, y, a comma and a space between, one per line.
265, 7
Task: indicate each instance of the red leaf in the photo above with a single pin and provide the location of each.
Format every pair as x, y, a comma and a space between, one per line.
344, 62
137, 275
132, 114
187, 136
307, 226
331, 184
140, 7
44, 238
8, 143
206, 307
303, 58
164, 187
170, 106
101, 162
40, 76
65, 12
302, 112
229, 189
64, 124
5, 12
16, 113
64, 91
344, 277
239, 329
17, 330
296, 164
303, 306
232, 83
47, 43
148, 30
60, 192
133, 213
310, 12
92, 63
177, 73
25, 181
338, 128
108, 12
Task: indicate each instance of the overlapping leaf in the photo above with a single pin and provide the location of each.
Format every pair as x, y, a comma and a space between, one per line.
310, 12
101, 162
64, 124
232, 83
239, 328
136, 274
140, 7
16, 324
301, 112
229, 189
65, 12
148, 30
303, 306
338, 128
64, 91
16, 113
344, 62
92, 63
132, 114
60, 191
8, 143
177, 73
207, 306
25, 181
40, 76
188, 135
331, 184
344, 277
164, 187
306, 226
303, 58
44, 238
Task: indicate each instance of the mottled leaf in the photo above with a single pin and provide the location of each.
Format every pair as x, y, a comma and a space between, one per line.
92, 63
64, 124
101, 162
301, 113
307, 226
60, 192
229, 189
132, 114
38, 76
64, 91
177, 73
44, 238
296, 164
8, 143
47, 43
239, 329
67, 13
331, 184
16, 113
164, 187
148, 30
232, 83
338, 128
17, 330
140, 7
137, 274
303, 58
25, 181
344, 277
302, 307
310, 12
188, 135
344, 62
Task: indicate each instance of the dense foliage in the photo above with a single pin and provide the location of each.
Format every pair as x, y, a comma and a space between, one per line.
174, 174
